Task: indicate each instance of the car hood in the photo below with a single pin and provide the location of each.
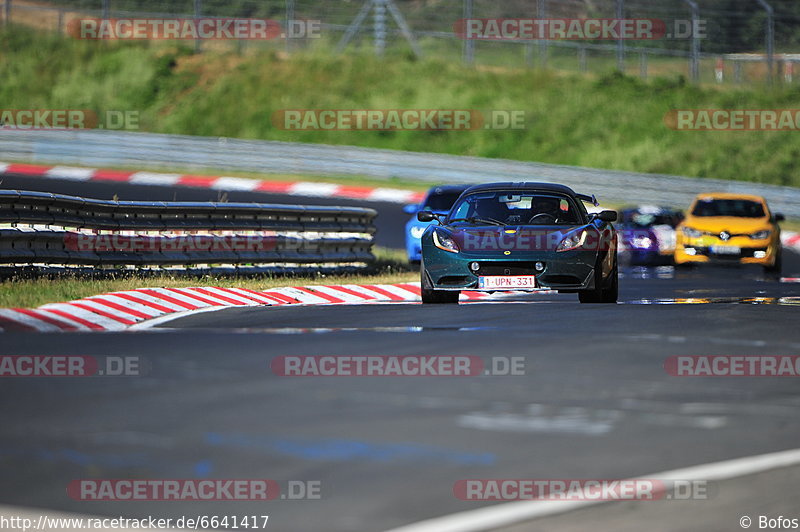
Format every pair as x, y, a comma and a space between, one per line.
732, 224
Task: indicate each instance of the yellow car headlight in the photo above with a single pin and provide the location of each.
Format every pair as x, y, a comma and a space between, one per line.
692, 233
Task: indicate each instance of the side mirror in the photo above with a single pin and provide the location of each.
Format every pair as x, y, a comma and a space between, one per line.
411, 208
608, 216
778, 217
426, 216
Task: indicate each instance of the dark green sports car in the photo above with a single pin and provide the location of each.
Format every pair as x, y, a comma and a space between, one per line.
520, 236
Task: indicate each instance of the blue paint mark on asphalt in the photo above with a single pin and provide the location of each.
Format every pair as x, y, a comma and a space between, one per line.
203, 468
347, 450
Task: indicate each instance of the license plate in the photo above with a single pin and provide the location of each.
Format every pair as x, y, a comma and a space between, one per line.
507, 282
726, 250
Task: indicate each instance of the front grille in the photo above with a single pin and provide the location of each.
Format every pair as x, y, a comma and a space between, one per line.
506, 268
744, 253
454, 280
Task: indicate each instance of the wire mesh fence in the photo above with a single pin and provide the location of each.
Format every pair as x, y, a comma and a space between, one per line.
704, 40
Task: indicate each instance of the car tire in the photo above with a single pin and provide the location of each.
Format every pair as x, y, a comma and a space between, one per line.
431, 296
775, 269
606, 293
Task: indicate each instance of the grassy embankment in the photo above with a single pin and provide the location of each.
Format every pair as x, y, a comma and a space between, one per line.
606, 121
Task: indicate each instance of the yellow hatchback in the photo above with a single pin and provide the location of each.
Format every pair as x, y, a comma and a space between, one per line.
725, 228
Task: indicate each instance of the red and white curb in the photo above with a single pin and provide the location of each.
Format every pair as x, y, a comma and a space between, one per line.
225, 184
790, 239
118, 311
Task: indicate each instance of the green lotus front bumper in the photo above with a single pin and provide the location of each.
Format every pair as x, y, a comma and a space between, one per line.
565, 271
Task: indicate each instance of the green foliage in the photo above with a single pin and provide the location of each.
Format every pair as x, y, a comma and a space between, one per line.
611, 121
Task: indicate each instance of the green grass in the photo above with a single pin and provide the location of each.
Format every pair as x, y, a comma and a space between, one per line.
604, 121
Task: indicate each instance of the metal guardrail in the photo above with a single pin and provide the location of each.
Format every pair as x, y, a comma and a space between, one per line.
46, 229
147, 150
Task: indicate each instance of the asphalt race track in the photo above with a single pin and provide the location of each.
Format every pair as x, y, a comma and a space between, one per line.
594, 401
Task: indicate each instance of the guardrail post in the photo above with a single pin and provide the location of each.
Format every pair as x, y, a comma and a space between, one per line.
582, 58
770, 36
106, 9
7, 12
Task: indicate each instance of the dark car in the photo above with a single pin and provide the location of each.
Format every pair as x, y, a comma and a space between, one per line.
520, 236
647, 234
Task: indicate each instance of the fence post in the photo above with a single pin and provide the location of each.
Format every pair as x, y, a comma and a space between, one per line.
737, 71
543, 44
694, 65
469, 44
198, 7
582, 58
620, 42
770, 37
7, 12
289, 24
643, 65
106, 10
60, 21
379, 30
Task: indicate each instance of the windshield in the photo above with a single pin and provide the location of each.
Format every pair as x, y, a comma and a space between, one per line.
641, 218
729, 207
514, 208
441, 201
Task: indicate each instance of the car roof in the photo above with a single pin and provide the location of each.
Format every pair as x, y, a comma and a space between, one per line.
441, 189
730, 195
523, 187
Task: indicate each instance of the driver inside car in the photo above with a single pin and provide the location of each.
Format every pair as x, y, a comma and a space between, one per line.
545, 211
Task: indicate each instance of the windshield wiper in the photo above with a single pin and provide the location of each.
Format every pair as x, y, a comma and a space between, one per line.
474, 219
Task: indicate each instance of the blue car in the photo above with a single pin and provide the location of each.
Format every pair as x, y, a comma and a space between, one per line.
438, 200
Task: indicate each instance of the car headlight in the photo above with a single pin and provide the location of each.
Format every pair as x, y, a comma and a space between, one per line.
643, 242
572, 241
760, 235
692, 233
445, 242
417, 231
